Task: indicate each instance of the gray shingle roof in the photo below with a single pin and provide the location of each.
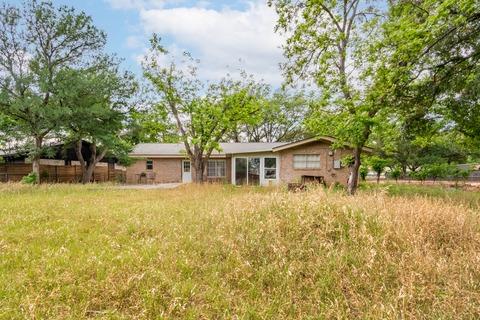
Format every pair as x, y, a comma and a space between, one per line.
178, 149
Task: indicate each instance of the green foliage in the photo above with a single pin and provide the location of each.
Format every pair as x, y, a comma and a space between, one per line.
281, 119
378, 164
9, 133
411, 144
203, 116
347, 161
37, 42
421, 174
433, 66
151, 124
459, 173
98, 100
326, 44
438, 170
31, 178
434, 171
395, 173
363, 172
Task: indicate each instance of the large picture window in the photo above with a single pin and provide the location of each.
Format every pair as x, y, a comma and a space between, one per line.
216, 168
306, 161
270, 168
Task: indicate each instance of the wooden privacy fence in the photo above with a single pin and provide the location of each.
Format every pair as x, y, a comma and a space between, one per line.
60, 174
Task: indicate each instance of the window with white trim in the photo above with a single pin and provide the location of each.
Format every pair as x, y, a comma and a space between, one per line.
337, 164
270, 168
306, 161
216, 168
187, 166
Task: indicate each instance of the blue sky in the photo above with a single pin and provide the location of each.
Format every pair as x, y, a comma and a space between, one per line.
224, 35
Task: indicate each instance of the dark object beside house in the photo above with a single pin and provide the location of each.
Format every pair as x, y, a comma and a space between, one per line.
313, 179
146, 177
306, 180
296, 187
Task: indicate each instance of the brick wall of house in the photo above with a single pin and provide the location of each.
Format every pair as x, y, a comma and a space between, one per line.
170, 171
165, 170
331, 175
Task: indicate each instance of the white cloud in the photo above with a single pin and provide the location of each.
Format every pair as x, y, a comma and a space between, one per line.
134, 42
220, 38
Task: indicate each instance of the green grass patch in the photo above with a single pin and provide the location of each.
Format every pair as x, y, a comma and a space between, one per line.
453, 194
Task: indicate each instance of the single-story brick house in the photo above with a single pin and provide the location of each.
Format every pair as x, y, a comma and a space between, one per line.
243, 163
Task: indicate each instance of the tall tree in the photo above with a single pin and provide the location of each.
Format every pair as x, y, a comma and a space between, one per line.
435, 58
151, 124
148, 123
281, 119
462, 105
98, 102
328, 43
203, 116
9, 136
36, 42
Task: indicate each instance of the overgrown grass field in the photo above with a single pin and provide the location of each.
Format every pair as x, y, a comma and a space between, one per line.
219, 252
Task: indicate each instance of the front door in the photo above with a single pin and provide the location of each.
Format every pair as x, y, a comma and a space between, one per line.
186, 171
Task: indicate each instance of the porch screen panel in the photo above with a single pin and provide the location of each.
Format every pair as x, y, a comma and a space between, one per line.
254, 171
270, 168
240, 171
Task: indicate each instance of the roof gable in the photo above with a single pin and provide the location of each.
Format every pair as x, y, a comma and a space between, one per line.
327, 139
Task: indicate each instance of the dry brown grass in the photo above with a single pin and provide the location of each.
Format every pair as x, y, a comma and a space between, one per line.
222, 252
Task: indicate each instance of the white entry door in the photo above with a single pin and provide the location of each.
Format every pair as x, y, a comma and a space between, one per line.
186, 171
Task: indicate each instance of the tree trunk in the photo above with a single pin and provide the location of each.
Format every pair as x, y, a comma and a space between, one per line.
354, 170
87, 174
36, 169
378, 177
404, 171
199, 168
36, 158
88, 169
95, 158
78, 151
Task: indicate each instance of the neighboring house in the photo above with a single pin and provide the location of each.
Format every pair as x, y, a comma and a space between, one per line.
243, 163
475, 170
